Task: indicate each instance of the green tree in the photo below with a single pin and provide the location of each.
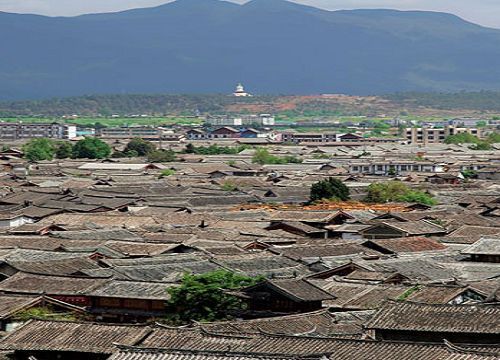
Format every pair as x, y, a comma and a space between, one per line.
161, 156
39, 150
140, 146
205, 298
91, 148
262, 156
395, 191
494, 138
329, 189
462, 138
64, 150
386, 192
481, 145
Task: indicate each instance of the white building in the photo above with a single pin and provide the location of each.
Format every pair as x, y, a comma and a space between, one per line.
240, 91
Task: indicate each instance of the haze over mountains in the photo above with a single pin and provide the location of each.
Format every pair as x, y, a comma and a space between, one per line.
273, 46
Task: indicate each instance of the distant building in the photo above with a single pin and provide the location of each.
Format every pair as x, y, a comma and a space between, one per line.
225, 132
15, 131
124, 132
261, 120
465, 122
295, 137
436, 135
240, 91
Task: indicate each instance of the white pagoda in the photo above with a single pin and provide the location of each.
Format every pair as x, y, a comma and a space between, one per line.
240, 91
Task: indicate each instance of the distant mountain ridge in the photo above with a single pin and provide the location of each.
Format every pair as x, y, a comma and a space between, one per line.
272, 46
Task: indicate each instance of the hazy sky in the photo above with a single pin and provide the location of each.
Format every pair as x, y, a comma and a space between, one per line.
484, 12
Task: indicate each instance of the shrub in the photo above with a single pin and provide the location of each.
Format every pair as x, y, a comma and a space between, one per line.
166, 173
229, 186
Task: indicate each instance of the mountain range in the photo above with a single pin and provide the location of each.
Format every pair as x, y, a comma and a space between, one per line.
272, 46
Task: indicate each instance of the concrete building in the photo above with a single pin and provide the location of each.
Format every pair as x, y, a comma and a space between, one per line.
294, 137
261, 120
15, 131
143, 132
436, 135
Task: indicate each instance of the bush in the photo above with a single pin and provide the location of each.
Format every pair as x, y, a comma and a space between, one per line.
140, 146
91, 148
166, 173
329, 189
39, 150
161, 156
229, 186
204, 297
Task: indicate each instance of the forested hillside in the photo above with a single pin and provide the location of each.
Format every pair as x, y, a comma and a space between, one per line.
272, 46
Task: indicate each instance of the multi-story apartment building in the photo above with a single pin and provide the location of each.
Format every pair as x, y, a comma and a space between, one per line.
394, 167
143, 132
294, 137
15, 131
261, 120
436, 135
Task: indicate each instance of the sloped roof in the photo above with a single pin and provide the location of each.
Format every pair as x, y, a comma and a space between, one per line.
408, 244
479, 319
94, 338
485, 246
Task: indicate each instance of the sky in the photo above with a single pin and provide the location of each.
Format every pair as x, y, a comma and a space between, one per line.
484, 12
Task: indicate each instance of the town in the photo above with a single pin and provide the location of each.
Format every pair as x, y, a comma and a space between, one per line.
238, 239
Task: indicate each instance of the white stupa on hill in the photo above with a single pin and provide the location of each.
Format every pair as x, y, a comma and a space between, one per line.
240, 91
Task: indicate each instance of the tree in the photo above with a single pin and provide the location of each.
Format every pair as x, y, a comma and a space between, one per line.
494, 138
39, 150
386, 192
161, 156
91, 148
262, 156
205, 298
329, 189
64, 150
190, 149
481, 145
140, 146
462, 138
395, 191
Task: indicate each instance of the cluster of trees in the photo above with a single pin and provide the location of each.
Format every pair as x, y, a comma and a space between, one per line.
47, 149
395, 191
477, 144
391, 191
140, 147
125, 104
263, 157
214, 149
205, 298
329, 189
